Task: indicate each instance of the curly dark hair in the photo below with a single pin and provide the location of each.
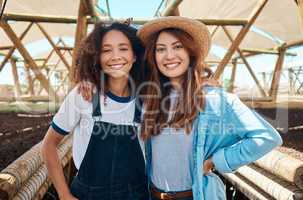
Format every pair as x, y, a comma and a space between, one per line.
88, 67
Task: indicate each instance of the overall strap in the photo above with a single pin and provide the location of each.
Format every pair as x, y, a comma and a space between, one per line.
138, 110
96, 105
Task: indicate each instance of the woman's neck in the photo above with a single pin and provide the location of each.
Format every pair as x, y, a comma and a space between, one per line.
119, 86
176, 83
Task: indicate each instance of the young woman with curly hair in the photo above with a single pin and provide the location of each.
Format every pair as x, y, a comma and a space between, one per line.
106, 149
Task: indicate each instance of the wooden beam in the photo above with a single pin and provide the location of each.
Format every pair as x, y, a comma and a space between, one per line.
233, 76
266, 51
107, 20
213, 32
54, 46
300, 7
16, 78
81, 31
29, 81
65, 46
29, 60
171, 7
273, 92
6, 47
40, 18
89, 7
245, 62
209, 22
239, 38
11, 51
292, 44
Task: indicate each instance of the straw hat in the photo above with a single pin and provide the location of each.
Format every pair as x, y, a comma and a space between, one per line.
197, 30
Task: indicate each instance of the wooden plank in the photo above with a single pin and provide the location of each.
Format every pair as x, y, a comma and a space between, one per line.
239, 38
23, 51
11, 51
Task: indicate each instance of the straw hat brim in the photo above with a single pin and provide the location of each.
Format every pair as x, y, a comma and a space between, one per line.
197, 30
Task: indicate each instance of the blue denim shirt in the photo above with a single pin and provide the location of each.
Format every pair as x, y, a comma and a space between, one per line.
230, 133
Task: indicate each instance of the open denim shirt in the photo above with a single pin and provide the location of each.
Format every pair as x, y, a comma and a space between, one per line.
230, 133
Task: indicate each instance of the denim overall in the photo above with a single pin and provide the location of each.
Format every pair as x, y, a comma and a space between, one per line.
113, 167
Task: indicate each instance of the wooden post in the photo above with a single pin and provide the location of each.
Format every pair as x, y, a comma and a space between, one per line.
170, 9
81, 31
54, 46
291, 81
264, 79
233, 76
277, 75
300, 6
16, 78
11, 51
29, 80
214, 31
29, 60
239, 38
246, 63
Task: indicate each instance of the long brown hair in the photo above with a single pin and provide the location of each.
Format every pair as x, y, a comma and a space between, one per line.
88, 67
188, 104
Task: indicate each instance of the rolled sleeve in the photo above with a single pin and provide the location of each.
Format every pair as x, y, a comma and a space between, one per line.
220, 162
258, 137
58, 129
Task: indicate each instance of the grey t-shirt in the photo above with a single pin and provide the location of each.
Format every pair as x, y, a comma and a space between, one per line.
172, 158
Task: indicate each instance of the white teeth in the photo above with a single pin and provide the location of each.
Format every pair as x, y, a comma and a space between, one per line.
172, 65
116, 66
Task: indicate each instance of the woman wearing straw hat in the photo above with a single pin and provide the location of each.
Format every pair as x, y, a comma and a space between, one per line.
190, 130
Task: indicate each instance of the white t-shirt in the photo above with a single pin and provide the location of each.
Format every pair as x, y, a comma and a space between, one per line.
75, 114
172, 156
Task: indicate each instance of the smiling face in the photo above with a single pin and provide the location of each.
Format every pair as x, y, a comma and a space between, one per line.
117, 56
171, 57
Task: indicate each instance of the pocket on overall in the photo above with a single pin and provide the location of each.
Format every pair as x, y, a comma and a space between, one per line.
213, 187
76, 189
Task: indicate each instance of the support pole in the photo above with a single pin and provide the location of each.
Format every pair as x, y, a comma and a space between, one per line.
171, 8
233, 76
273, 92
29, 80
300, 6
81, 31
16, 78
